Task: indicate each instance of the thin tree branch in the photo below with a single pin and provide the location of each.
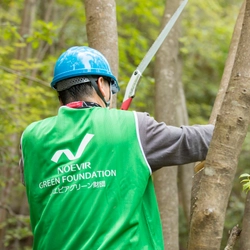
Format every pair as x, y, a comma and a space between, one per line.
234, 235
12, 213
34, 79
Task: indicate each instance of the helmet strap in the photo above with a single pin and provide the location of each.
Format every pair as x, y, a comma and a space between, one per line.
95, 86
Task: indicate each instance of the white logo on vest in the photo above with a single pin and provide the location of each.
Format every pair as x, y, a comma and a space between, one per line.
87, 138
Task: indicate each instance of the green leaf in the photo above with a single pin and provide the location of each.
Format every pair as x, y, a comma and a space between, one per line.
244, 176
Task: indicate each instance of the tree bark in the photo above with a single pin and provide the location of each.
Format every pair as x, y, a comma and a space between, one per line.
229, 65
185, 172
102, 31
230, 130
234, 235
244, 237
166, 79
220, 96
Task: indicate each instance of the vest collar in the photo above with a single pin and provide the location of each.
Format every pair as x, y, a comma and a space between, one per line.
82, 104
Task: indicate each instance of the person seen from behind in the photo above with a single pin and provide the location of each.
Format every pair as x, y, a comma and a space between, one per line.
88, 170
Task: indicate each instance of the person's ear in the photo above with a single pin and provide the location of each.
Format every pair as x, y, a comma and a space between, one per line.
101, 85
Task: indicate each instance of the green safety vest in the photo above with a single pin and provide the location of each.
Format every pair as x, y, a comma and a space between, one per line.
88, 183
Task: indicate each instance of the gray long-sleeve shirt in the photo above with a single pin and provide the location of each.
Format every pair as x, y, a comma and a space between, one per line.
168, 145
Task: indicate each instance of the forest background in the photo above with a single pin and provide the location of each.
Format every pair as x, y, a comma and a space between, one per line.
27, 57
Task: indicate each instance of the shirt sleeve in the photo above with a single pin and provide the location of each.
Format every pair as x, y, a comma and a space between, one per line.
168, 145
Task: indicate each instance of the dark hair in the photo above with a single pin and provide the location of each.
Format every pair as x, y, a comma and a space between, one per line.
80, 91
76, 93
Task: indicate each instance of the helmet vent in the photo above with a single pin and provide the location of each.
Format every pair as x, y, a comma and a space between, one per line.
68, 83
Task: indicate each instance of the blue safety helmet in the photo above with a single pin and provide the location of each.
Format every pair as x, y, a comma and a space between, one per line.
78, 63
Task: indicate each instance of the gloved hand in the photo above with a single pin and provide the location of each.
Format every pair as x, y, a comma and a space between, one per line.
199, 166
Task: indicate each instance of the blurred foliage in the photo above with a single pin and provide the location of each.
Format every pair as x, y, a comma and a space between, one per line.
17, 228
205, 44
138, 27
207, 28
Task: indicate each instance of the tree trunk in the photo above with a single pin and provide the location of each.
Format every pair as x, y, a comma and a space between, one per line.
166, 79
228, 66
102, 31
231, 127
244, 236
165, 181
185, 177
185, 172
234, 235
10, 171
46, 13
221, 93
28, 16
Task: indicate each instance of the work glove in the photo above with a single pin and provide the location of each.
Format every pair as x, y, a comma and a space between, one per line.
199, 166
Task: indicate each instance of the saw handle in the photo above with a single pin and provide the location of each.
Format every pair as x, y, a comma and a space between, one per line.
126, 104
